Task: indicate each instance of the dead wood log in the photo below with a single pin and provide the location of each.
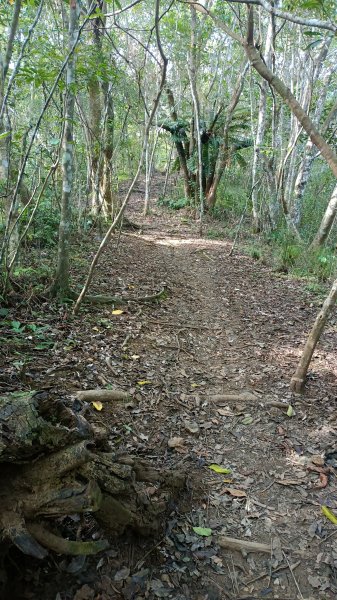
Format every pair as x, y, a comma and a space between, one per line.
102, 395
236, 544
53, 465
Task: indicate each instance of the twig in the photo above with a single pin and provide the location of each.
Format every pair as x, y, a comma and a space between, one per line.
292, 574
266, 573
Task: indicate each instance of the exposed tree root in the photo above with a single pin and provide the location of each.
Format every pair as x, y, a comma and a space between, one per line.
52, 464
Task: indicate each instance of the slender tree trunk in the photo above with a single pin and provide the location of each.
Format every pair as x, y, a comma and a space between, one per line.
196, 105
298, 379
61, 282
121, 211
95, 111
326, 223
224, 150
180, 148
5, 133
304, 169
108, 144
261, 126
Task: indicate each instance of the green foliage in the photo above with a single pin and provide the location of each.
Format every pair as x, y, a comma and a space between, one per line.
321, 264
44, 229
174, 203
215, 234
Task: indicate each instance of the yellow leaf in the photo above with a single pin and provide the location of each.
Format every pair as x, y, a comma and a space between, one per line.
218, 469
95, 329
227, 480
290, 411
194, 385
117, 312
98, 405
329, 515
143, 382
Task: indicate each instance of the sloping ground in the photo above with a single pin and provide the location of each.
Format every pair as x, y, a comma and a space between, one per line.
227, 326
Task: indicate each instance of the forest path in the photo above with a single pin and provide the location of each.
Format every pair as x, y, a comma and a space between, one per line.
228, 325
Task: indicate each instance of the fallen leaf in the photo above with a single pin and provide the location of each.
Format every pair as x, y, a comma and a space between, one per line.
218, 469
290, 411
191, 426
98, 405
225, 412
144, 382
117, 312
314, 581
204, 531
329, 514
236, 493
175, 442
323, 481
247, 420
134, 356
317, 460
122, 574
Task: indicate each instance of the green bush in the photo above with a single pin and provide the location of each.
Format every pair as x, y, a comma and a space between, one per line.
44, 228
174, 203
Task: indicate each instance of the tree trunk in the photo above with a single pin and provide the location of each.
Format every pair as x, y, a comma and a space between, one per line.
326, 223
61, 283
256, 61
188, 187
11, 212
196, 106
108, 144
224, 151
298, 379
261, 126
304, 170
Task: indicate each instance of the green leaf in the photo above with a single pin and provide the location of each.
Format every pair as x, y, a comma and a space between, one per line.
4, 312
4, 135
247, 420
290, 411
218, 469
203, 531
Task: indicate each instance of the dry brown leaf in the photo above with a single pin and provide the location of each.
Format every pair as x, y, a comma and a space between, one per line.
175, 442
234, 492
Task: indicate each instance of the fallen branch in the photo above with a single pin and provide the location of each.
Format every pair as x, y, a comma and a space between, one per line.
248, 397
102, 395
277, 570
118, 300
236, 544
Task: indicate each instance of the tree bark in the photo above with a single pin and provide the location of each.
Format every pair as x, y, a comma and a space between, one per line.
61, 285
180, 149
224, 150
326, 223
298, 380
261, 126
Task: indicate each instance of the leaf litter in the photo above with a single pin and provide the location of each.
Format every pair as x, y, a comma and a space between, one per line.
203, 369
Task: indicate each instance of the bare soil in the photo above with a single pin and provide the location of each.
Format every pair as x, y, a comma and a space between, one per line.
228, 325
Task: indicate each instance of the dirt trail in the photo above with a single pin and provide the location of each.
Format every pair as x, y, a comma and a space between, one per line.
228, 325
